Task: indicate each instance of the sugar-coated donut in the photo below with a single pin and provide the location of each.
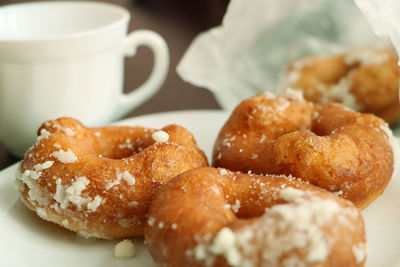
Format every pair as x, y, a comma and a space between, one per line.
328, 145
366, 80
99, 182
215, 217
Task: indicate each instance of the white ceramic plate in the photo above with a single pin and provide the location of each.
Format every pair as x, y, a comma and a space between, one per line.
26, 240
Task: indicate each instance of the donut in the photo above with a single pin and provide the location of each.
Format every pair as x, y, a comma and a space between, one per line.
328, 145
215, 217
99, 182
366, 80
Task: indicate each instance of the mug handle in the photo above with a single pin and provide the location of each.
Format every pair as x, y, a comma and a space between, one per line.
157, 77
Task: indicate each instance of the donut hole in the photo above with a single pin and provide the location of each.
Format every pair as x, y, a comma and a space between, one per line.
119, 151
329, 118
320, 129
254, 209
120, 147
118, 154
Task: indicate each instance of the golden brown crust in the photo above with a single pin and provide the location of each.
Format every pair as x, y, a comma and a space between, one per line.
326, 144
363, 79
100, 181
264, 228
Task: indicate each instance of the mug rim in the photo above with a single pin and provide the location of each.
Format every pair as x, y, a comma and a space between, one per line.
124, 17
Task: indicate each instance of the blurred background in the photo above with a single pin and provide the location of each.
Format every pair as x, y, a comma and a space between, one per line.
178, 22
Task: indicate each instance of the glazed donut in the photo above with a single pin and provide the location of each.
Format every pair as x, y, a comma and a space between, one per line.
329, 145
214, 217
366, 80
99, 182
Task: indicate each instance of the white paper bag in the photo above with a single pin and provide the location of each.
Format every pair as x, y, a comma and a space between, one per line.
258, 38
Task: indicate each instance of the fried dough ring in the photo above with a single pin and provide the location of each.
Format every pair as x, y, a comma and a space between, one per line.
99, 182
214, 217
366, 80
328, 145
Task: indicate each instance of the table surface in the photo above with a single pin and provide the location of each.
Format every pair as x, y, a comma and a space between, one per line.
178, 22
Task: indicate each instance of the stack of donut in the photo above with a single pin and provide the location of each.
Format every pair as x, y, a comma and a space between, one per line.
289, 179
261, 215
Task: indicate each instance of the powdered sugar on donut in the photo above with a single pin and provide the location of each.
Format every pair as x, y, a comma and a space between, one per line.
290, 194
365, 57
283, 228
160, 136
293, 94
290, 77
224, 244
93, 205
129, 179
125, 175
360, 252
43, 134
65, 156
28, 178
340, 92
68, 131
72, 193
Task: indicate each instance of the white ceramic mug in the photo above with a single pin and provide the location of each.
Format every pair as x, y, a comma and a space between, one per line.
66, 59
